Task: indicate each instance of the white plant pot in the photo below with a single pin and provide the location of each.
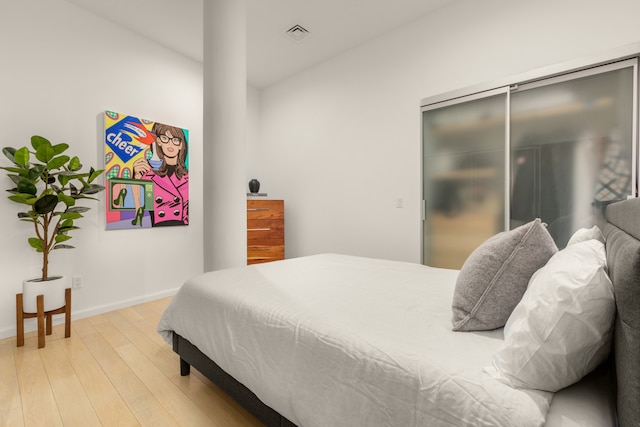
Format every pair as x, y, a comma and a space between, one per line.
52, 289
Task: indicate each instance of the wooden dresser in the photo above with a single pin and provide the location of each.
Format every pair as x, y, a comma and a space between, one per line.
265, 231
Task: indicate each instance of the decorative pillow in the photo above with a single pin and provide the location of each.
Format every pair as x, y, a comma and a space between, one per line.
562, 328
495, 276
584, 234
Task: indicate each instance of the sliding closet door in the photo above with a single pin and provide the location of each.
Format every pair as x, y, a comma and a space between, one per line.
463, 176
571, 153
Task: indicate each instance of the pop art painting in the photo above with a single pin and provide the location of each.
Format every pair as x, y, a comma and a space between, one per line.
147, 173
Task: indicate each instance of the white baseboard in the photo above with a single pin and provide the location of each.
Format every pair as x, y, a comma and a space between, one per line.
30, 324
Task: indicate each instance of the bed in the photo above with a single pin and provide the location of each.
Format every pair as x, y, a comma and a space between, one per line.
336, 340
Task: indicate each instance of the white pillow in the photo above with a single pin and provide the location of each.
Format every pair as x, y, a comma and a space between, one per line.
584, 234
562, 328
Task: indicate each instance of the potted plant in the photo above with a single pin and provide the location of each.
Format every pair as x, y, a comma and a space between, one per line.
49, 185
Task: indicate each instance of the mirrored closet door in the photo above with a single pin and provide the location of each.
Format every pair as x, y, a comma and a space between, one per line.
560, 149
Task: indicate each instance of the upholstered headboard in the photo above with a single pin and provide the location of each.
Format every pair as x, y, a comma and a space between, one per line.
622, 233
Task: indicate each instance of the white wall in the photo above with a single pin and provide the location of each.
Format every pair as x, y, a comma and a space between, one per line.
340, 142
61, 68
254, 164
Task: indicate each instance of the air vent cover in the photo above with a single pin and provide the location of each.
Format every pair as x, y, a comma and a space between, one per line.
297, 33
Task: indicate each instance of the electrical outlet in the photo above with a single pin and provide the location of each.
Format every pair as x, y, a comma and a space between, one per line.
77, 282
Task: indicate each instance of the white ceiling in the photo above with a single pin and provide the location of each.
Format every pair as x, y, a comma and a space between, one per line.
334, 26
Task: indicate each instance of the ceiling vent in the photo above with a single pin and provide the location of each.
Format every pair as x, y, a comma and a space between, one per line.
297, 33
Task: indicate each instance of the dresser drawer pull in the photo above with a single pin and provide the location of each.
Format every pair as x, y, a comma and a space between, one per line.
260, 249
258, 229
257, 209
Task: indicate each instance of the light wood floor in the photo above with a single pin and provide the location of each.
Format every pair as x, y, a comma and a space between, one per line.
114, 370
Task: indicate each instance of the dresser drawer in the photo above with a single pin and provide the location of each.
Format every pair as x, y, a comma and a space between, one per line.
265, 229
265, 209
260, 254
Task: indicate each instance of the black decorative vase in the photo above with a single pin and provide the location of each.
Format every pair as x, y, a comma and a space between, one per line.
254, 185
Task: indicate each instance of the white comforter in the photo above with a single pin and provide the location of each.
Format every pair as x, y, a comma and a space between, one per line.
334, 340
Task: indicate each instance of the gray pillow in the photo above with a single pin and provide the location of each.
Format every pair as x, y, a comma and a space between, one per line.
496, 274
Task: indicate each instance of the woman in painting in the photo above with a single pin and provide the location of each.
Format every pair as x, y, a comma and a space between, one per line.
170, 179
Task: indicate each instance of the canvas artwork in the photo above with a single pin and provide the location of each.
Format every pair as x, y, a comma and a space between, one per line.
147, 173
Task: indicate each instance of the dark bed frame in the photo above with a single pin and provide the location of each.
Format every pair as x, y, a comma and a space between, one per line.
622, 233
190, 355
